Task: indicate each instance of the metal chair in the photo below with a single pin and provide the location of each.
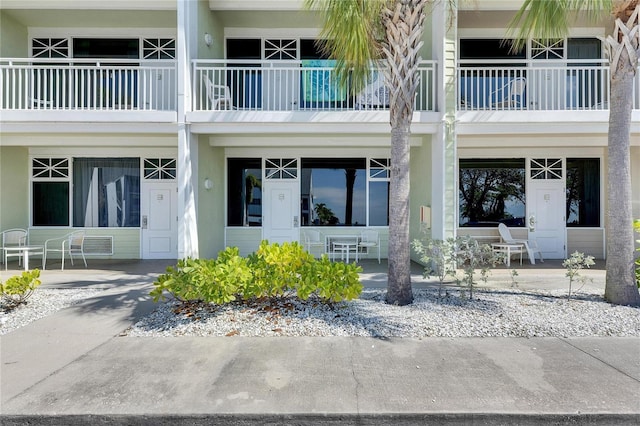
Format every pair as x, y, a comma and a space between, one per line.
71, 244
312, 238
12, 238
370, 239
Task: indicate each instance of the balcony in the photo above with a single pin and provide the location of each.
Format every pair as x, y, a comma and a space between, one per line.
571, 85
294, 86
52, 87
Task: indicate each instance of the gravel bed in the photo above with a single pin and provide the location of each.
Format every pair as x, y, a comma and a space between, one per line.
492, 313
42, 302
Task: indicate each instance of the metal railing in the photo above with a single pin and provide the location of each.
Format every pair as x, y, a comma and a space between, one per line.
577, 84
294, 86
87, 84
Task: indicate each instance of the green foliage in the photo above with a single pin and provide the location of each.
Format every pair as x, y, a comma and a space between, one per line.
574, 265
443, 257
17, 289
636, 226
474, 256
274, 270
439, 257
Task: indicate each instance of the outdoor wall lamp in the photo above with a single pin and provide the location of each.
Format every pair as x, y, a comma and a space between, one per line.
208, 184
208, 40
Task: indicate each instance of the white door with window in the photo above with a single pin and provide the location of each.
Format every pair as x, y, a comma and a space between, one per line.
281, 201
159, 220
546, 205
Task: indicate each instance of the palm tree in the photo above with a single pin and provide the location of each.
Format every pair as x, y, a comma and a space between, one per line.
549, 20
356, 32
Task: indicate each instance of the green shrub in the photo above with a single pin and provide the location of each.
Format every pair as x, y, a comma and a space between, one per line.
274, 270
439, 257
17, 289
574, 264
208, 280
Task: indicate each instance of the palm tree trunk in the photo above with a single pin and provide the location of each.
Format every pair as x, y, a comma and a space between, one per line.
404, 25
620, 280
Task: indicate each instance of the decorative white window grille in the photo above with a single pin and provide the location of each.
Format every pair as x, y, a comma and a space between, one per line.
546, 168
281, 168
159, 48
48, 168
379, 169
160, 168
547, 49
280, 49
50, 47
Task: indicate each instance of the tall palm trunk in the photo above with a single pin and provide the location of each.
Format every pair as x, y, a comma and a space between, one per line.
620, 281
404, 27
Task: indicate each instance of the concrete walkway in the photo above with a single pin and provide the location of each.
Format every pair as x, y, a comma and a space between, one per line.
74, 367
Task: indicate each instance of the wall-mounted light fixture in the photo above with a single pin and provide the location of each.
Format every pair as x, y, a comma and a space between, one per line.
208, 184
208, 40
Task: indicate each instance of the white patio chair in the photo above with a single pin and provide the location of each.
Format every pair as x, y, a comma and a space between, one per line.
511, 95
219, 95
530, 245
312, 238
370, 239
71, 244
12, 238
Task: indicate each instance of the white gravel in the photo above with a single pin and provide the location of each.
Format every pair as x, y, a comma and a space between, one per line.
42, 302
493, 312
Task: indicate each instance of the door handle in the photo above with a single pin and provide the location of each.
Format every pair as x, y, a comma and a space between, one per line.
144, 222
532, 223
295, 222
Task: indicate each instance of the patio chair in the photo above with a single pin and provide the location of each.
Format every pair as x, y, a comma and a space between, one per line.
71, 244
12, 238
530, 245
511, 95
312, 238
370, 239
219, 95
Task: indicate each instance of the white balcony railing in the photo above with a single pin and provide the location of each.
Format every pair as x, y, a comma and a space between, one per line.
577, 84
87, 84
293, 86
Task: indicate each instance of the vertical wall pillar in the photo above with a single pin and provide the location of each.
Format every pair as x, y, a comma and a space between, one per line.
444, 145
187, 143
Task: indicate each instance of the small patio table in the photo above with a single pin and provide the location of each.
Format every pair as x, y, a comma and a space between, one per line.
26, 251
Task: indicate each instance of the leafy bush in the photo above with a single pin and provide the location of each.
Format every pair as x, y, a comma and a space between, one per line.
576, 262
274, 270
439, 257
17, 289
473, 256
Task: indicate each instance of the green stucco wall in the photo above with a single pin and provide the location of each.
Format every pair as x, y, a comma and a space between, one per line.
14, 187
210, 202
13, 38
420, 193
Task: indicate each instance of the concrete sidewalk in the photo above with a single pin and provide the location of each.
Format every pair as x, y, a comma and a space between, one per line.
73, 367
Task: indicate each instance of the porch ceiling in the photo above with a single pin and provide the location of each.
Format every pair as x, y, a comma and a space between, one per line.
88, 18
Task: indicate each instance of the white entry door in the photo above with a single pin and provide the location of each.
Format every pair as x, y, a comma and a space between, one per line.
159, 220
281, 201
546, 205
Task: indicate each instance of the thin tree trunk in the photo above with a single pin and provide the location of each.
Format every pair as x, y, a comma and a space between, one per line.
404, 25
623, 53
620, 281
399, 285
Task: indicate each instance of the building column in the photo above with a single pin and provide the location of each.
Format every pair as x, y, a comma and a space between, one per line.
187, 143
444, 144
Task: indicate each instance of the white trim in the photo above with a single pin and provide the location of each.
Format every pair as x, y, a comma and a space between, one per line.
101, 152
266, 33
139, 33
306, 152
517, 152
500, 33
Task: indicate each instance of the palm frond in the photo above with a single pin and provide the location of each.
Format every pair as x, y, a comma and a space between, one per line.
352, 35
551, 19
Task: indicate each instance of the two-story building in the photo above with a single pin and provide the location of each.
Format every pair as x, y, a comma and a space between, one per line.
174, 128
